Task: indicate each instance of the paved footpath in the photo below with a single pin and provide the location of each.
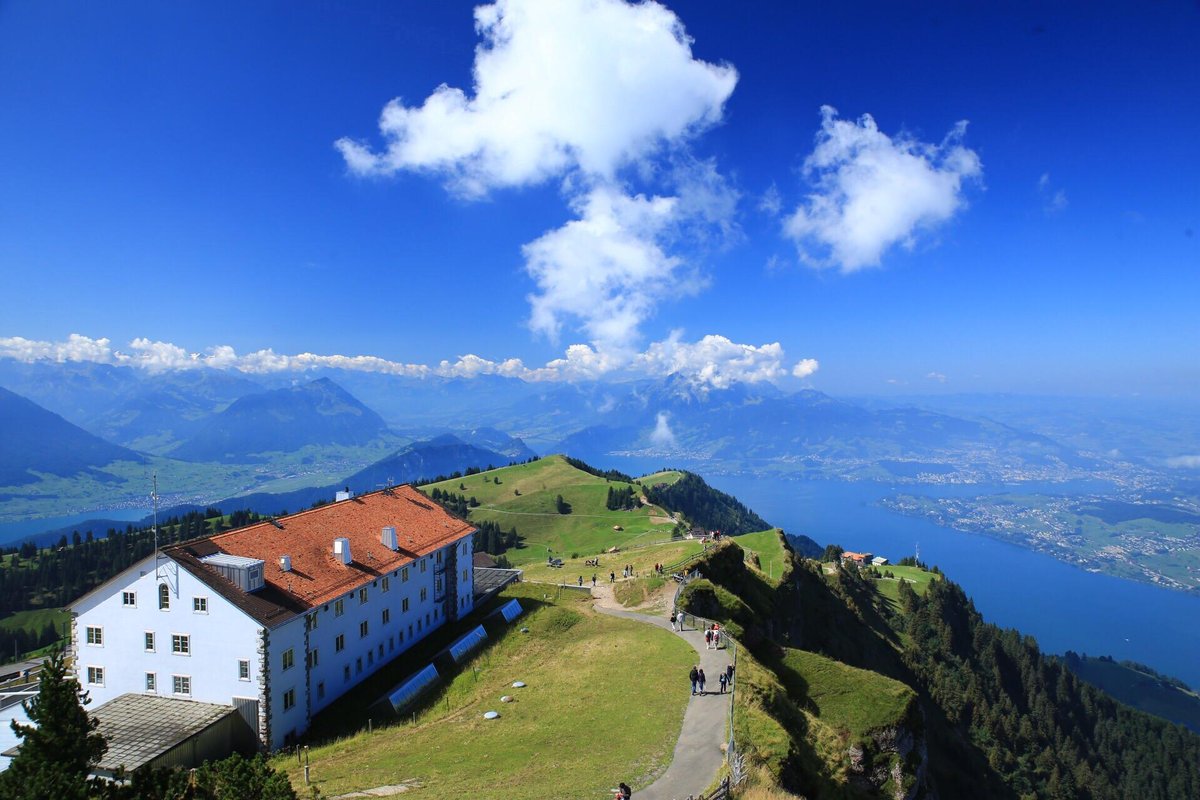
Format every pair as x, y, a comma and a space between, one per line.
698, 755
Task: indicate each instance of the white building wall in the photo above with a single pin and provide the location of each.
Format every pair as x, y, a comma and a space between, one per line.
224, 636
466, 575
292, 721
217, 639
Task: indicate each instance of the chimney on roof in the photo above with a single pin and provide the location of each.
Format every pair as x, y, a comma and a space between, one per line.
344, 494
388, 537
341, 550
285, 563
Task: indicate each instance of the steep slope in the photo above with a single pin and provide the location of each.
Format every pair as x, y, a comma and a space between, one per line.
993, 717
284, 420
33, 439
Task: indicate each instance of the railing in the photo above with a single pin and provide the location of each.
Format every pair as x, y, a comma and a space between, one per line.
732, 758
719, 793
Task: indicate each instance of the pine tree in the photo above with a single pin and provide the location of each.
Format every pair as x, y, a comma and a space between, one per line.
62, 745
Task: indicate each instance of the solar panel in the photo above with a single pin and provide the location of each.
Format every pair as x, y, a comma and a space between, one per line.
471, 640
511, 610
408, 691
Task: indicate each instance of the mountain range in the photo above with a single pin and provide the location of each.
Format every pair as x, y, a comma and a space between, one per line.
283, 420
220, 434
34, 440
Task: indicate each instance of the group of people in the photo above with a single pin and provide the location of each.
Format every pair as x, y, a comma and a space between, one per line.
712, 637
677, 620
699, 679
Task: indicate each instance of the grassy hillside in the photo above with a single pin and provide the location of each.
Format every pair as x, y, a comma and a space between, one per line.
770, 549
856, 686
524, 496
559, 739
1139, 687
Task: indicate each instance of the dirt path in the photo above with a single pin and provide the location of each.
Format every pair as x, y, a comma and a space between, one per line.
698, 755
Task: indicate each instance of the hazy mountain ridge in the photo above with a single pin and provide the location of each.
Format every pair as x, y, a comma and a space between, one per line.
33, 439
420, 460
316, 413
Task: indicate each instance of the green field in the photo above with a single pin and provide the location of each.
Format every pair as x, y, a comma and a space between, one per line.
124, 484
804, 712
34, 620
596, 710
851, 700
768, 546
642, 559
668, 477
918, 578
525, 499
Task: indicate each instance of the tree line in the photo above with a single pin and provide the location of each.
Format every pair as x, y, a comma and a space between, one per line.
50, 577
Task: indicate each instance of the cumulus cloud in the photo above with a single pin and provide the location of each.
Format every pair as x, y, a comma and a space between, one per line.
935, 376
587, 84
711, 362
1184, 462
662, 435
805, 367
579, 91
607, 268
872, 192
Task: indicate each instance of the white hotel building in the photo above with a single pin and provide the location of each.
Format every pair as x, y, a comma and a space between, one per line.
279, 618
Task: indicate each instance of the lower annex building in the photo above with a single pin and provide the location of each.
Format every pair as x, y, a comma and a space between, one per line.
279, 618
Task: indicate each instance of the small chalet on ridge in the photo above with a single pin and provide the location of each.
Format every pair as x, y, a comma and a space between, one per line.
279, 618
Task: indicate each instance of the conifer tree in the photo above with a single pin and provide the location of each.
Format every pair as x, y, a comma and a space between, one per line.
60, 747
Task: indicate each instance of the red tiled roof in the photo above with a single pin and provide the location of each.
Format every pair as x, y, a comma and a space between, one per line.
317, 577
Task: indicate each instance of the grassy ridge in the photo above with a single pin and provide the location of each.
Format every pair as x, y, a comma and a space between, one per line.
525, 498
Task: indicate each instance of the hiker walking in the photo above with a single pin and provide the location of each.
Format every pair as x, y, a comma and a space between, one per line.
673, 621
702, 679
708, 639
593, 579
581, 580
694, 676
729, 674
612, 577
724, 681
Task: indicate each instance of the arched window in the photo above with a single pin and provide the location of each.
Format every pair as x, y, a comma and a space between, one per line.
164, 596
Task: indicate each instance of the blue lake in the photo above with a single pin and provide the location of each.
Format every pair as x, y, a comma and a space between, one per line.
16, 531
1064, 607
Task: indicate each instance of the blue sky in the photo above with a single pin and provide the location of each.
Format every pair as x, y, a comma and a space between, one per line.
170, 174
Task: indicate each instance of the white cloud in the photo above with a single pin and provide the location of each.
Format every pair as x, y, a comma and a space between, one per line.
713, 361
579, 91
662, 435
771, 202
76, 348
1054, 200
1184, 462
871, 192
935, 376
805, 367
607, 269
587, 84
